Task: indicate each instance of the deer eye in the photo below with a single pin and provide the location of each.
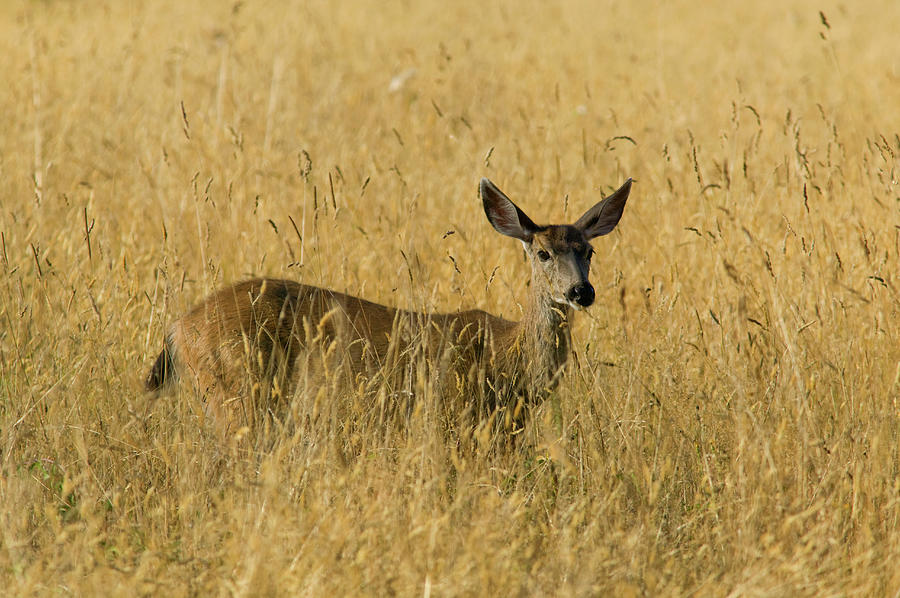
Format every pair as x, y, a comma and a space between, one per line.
543, 255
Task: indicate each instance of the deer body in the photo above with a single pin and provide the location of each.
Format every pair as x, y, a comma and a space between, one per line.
256, 338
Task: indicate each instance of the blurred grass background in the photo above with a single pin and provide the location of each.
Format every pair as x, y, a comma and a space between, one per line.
731, 427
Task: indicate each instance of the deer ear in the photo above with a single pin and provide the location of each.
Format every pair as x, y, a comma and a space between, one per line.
603, 217
504, 215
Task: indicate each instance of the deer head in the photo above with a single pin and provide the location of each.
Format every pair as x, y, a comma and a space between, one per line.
560, 254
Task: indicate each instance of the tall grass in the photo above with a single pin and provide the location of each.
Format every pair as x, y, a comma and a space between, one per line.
730, 422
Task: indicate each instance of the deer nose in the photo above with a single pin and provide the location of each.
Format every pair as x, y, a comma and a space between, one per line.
582, 294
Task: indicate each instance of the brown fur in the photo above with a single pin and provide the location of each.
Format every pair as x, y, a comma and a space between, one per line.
246, 347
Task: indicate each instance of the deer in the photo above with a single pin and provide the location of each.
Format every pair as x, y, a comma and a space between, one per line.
246, 347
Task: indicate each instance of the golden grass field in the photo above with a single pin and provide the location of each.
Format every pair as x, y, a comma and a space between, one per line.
729, 426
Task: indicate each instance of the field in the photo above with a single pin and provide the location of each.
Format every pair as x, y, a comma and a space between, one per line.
729, 426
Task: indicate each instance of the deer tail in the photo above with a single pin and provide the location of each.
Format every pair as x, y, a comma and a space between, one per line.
163, 371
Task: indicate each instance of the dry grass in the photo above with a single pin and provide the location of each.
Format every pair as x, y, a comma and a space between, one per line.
732, 428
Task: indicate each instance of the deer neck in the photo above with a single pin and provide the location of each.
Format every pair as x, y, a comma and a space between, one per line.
545, 338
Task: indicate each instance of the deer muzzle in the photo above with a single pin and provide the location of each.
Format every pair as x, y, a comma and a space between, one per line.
581, 294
